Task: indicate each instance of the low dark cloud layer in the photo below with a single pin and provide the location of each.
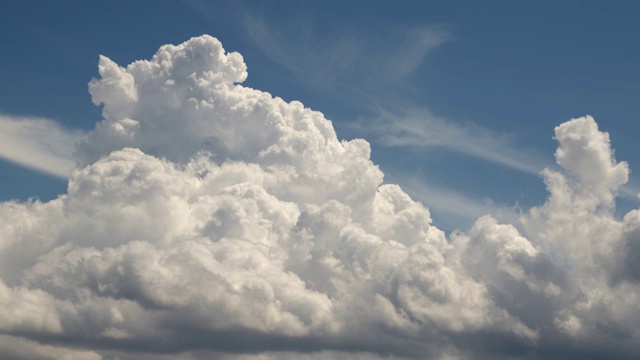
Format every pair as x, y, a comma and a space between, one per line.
207, 219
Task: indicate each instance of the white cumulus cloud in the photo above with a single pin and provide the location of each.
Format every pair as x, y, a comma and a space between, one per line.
209, 219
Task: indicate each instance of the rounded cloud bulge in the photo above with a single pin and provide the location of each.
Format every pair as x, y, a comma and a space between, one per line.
205, 219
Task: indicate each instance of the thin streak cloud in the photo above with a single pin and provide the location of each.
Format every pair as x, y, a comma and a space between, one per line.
419, 128
350, 58
419, 43
40, 144
455, 210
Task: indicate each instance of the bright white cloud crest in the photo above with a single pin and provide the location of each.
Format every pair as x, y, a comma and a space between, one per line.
209, 218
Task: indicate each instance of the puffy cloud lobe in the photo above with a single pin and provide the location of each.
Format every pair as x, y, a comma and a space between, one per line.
586, 153
218, 221
631, 246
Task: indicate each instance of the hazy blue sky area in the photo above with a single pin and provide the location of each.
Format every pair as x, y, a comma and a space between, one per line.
172, 198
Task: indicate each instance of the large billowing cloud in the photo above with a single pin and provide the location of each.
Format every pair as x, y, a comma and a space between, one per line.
208, 219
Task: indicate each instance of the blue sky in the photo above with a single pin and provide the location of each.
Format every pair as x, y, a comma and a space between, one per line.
511, 71
234, 195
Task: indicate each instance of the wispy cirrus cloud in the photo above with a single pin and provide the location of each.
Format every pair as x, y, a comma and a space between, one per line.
420, 128
39, 144
347, 56
630, 191
453, 209
418, 43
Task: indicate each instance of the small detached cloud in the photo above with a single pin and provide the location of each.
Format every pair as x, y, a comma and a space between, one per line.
208, 219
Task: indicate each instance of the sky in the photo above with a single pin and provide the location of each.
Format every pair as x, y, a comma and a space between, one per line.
322, 180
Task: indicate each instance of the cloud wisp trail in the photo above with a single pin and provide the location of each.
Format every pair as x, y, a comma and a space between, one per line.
419, 128
39, 144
